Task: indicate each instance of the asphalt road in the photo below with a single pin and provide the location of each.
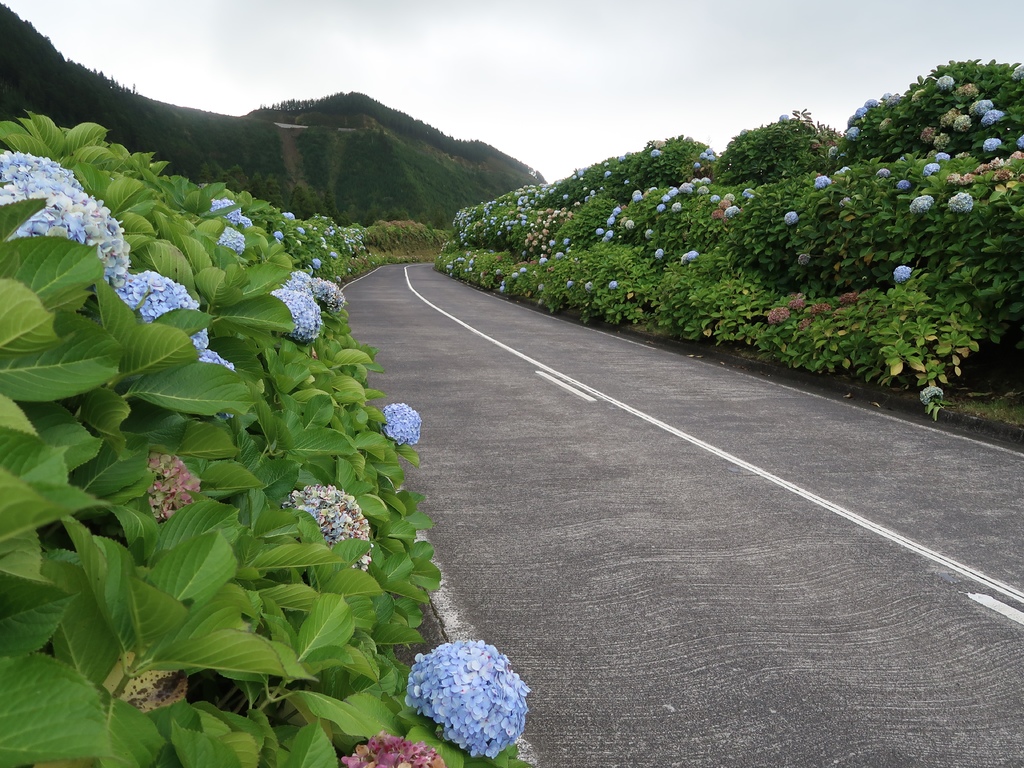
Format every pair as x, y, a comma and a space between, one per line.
698, 566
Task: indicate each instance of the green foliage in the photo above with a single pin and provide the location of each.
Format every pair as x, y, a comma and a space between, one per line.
116, 603
777, 151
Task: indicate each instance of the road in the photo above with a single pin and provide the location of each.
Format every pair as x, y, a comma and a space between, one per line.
695, 566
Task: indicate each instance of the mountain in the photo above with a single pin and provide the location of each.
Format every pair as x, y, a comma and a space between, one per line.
345, 155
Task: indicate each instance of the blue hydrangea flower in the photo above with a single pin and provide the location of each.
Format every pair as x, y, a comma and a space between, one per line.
289, 215
791, 218
637, 195
932, 393
660, 253
871, 103
278, 235
931, 168
522, 270
902, 273
402, 424
337, 513
689, 256
207, 355
859, 113
942, 156
661, 208
233, 239
852, 133
588, 286
981, 107
945, 83
903, 185
569, 283
151, 295
821, 182
69, 211
469, 688
301, 230
783, 118
921, 204
316, 263
613, 285
732, 211
305, 314
961, 202
328, 293
696, 165
991, 145
748, 193
883, 173
599, 231
1020, 140
992, 116
655, 153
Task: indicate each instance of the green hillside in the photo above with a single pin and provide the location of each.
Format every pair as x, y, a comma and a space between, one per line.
382, 165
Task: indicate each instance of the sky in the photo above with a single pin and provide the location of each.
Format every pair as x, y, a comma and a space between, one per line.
556, 84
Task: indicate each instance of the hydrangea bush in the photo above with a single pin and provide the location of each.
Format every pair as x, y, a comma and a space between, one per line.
178, 527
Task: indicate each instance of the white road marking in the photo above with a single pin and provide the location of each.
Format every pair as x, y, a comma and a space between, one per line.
887, 533
998, 606
566, 387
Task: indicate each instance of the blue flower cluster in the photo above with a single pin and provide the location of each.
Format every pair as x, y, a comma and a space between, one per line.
852, 133
992, 116
945, 83
883, 173
821, 182
402, 424
991, 145
151, 295
931, 393
328, 293
921, 204
902, 273
961, 202
235, 216
980, 107
305, 313
69, 211
931, 168
469, 688
791, 218
732, 211
903, 185
233, 239
689, 256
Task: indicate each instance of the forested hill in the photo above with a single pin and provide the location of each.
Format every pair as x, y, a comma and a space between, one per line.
386, 166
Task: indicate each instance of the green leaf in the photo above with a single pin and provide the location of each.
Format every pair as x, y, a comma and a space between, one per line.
223, 478
135, 739
320, 441
207, 441
353, 581
260, 313
360, 715
187, 320
13, 417
199, 388
58, 270
294, 597
13, 215
26, 326
105, 410
329, 623
408, 453
87, 357
59, 428
39, 692
145, 347
31, 459
311, 749
293, 556
83, 135
110, 472
22, 556
29, 615
198, 750
195, 569
231, 650
351, 357
194, 520
24, 507
169, 261
396, 634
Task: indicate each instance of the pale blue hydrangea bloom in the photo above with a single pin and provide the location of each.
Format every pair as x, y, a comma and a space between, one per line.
715, 198
469, 688
942, 156
289, 215
328, 293
791, 218
902, 273
921, 204
613, 284
305, 314
945, 83
207, 355
655, 153
893, 100
783, 118
686, 188
689, 256
748, 193
278, 235
569, 283
402, 424
69, 211
992, 116
903, 185
696, 165
931, 168
233, 239
852, 133
676, 208
337, 513
151, 295
660, 208
522, 270
637, 195
981, 107
660, 253
316, 263
991, 145
883, 173
589, 286
961, 202
871, 103
298, 281
1020, 140
821, 182
932, 393
609, 235
599, 231
732, 211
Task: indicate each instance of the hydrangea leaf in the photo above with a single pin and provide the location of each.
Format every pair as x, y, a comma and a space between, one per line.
86, 358
30, 145
31, 459
134, 736
44, 129
200, 750
203, 440
353, 581
83, 135
310, 749
351, 719
111, 471
168, 260
58, 270
24, 507
224, 478
187, 320
22, 556
293, 556
26, 326
198, 518
452, 756
319, 441
38, 692
231, 650
105, 410
260, 313
13, 215
196, 568
29, 614
198, 388
329, 623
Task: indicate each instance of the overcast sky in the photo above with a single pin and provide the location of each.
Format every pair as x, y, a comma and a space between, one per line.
557, 84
